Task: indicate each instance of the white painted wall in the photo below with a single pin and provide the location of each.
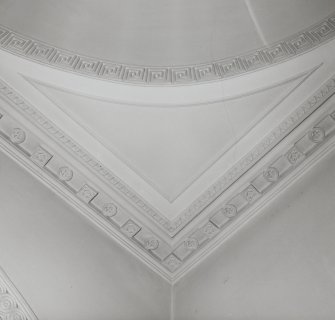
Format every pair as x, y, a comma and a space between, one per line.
280, 266
65, 267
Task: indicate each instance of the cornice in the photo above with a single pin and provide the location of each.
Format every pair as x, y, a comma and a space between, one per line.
275, 176
66, 60
207, 197
227, 219
12, 304
261, 149
66, 179
168, 223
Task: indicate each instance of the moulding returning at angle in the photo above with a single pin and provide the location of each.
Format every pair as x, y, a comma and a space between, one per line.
185, 217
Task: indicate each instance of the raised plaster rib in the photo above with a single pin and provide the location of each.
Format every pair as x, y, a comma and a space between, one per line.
168, 257
283, 50
186, 216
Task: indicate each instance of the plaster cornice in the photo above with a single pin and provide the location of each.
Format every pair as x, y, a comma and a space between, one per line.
274, 177
280, 51
12, 304
169, 260
207, 197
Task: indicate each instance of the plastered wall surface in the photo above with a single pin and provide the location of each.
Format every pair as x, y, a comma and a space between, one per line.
280, 266
65, 267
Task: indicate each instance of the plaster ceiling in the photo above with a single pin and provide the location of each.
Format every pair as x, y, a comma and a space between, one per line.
161, 32
185, 42
170, 147
167, 171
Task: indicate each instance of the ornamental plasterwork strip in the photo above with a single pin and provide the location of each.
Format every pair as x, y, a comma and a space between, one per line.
20, 104
12, 304
259, 186
170, 259
67, 177
285, 49
280, 132
185, 217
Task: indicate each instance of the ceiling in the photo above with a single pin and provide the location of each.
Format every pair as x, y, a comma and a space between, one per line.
188, 140
162, 32
169, 171
163, 42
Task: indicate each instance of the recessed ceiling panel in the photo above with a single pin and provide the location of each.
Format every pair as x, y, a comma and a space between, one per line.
169, 147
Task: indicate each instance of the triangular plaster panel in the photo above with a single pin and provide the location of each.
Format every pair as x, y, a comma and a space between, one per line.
170, 146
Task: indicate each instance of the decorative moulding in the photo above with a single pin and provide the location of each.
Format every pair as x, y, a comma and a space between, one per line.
12, 304
271, 140
74, 187
198, 205
48, 90
169, 260
222, 225
285, 49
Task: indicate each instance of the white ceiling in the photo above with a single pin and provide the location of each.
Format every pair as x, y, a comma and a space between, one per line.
66, 269
278, 267
161, 41
169, 158
169, 147
161, 32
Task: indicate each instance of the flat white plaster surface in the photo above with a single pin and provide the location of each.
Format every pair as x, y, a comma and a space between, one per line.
154, 32
288, 15
169, 147
280, 266
64, 267
161, 32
